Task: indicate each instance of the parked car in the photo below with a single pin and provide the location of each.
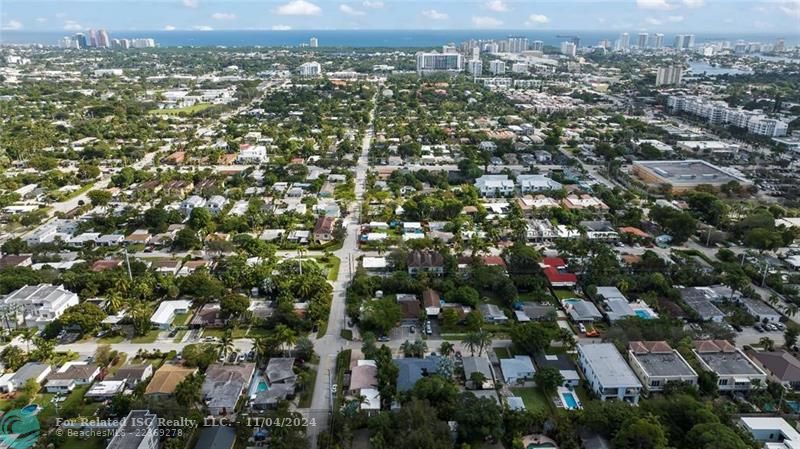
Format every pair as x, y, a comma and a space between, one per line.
412, 329
383, 338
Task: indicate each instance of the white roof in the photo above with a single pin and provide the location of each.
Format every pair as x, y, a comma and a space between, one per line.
608, 365
791, 438
166, 310
373, 262
373, 399
106, 388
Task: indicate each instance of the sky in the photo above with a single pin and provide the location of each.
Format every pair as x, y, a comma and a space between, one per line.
697, 16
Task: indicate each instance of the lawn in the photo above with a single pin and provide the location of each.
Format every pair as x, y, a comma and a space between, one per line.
150, 337
111, 340
564, 294
219, 333
502, 353
533, 398
333, 267
179, 336
189, 110
181, 319
307, 395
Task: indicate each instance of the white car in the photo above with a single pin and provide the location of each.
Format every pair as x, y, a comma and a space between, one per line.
582, 328
333, 388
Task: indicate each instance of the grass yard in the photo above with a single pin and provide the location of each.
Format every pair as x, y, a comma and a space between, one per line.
564, 294
333, 267
181, 319
533, 398
111, 340
219, 333
502, 353
150, 337
307, 395
189, 110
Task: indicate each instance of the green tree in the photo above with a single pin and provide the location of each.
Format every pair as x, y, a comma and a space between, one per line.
186, 239
477, 418
99, 197
86, 316
188, 392
548, 379
15, 246
641, 433
13, 357
200, 219
234, 305
715, 436
381, 315
531, 338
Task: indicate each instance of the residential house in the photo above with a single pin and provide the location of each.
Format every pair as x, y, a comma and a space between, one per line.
223, 385
781, 366
209, 316
216, 204
37, 305
582, 311
105, 390
517, 370
191, 203
656, 364
71, 375
615, 304
364, 382
533, 311
432, 302
216, 437
252, 154
494, 185
480, 365
323, 229
735, 372
411, 370
536, 184
166, 378
409, 306
167, 310
584, 201
600, 230
555, 270
13, 260
760, 310
425, 261
138, 430
133, 375
701, 301
771, 432
607, 374
492, 314
281, 370
31, 370
564, 364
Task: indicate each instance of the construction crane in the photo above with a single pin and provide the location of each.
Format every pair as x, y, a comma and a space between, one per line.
574, 39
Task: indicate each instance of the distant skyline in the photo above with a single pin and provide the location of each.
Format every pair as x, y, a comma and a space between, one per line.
668, 16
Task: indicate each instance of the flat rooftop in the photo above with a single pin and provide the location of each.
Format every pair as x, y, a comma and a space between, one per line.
690, 171
609, 366
664, 364
729, 363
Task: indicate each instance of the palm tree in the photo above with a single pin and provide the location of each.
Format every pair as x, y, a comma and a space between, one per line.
226, 344
791, 310
472, 342
767, 344
28, 335
115, 302
261, 346
446, 349
484, 341
284, 336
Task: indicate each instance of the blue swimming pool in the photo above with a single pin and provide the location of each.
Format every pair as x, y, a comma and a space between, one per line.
569, 401
262, 386
643, 314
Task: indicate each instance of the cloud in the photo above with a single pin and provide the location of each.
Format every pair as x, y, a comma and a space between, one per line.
486, 22
191, 3
223, 16
12, 25
434, 14
653, 4
374, 4
694, 3
299, 8
202, 28
791, 8
652, 21
41, 19
169, 28
497, 5
350, 11
675, 19
281, 28
71, 25
537, 19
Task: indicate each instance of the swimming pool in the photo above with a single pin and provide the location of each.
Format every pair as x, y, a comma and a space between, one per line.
257, 385
262, 386
569, 401
644, 314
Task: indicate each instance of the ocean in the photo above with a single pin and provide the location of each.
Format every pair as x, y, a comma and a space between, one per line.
365, 38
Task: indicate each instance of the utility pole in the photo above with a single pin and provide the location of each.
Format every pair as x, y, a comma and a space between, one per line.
128, 263
764, 277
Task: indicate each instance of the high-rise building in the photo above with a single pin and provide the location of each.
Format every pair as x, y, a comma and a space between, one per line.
740, 48
497, 67
517, 44
143, 43
310, 69
643, 40
476, 52
449, 49
624, 41
689, 41
103, 40
568, 48
669, 75
313, 42
680, 41
537, 45
780, 45
81, 40
68, 42
475, 67
657, 41
92, 38
439, 62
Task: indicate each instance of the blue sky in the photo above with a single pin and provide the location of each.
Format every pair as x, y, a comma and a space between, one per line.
742, 16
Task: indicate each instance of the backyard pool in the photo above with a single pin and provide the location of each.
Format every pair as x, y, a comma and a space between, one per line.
30, 410
643, 314
568, 399
262, 386
258, 385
